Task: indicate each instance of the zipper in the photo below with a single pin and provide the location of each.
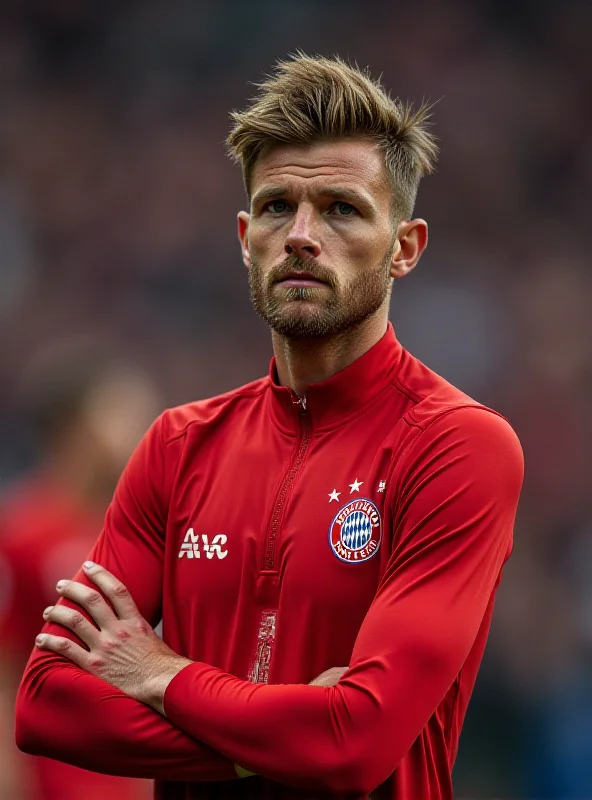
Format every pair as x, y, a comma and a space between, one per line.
289, 478
261, 664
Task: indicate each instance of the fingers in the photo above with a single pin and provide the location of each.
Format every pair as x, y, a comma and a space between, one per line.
64, 647
90, 599
74, 621
113, 589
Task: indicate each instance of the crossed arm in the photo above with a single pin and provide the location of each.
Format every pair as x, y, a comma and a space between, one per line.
124, 652
123, 649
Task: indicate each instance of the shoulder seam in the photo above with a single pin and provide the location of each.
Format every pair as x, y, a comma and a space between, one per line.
414, 423
179, 434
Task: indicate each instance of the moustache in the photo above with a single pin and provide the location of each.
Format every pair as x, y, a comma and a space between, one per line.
293, 265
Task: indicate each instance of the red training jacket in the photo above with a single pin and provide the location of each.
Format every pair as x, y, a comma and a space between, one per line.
366, 527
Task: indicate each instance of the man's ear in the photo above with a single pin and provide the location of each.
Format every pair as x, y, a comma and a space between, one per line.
412, 240
243, 236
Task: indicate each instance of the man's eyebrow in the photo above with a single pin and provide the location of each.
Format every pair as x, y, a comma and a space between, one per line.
269, 193
347, 195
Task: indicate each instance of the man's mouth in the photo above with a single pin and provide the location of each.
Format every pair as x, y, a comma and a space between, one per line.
300, 280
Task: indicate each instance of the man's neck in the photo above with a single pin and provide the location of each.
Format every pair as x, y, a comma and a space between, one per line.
301, 362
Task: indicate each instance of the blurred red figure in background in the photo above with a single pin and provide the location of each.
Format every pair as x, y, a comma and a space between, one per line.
89, 412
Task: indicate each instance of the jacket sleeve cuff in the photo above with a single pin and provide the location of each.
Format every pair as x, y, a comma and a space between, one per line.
181, 705
182, 702
176, 698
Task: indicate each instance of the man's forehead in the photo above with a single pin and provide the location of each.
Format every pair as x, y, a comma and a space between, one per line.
345, 160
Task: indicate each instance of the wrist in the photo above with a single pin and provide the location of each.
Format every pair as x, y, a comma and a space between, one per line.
156, 684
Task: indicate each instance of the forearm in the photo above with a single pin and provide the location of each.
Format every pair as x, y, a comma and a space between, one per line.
66, 714
323, 738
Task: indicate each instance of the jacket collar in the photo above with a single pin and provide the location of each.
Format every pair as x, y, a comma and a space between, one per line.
333, 401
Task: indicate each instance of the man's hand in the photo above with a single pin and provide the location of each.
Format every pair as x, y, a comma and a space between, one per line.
123, 649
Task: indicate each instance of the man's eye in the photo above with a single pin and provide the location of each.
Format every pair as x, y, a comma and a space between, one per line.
277, 206
344, 209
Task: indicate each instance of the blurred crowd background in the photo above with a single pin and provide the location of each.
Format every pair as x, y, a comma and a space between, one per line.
122, 291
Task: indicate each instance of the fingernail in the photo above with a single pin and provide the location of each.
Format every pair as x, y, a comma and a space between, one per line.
47, 612
40, 639
61, 585
88, 564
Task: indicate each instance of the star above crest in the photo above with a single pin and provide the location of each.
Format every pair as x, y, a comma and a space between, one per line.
355, 486
334, 496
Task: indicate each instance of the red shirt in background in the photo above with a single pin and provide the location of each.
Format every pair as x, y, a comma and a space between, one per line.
45, 534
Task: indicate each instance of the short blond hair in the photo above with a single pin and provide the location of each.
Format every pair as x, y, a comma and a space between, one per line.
309, 99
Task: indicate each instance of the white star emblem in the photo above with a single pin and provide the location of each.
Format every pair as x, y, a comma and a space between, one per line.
355, 486
334, 495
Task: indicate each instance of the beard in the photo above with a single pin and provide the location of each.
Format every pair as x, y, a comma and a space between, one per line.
317, 311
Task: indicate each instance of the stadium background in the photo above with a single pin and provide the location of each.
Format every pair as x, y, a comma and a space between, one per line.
117, 220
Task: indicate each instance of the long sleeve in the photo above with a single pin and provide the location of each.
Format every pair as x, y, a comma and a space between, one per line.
456, 493
66, 714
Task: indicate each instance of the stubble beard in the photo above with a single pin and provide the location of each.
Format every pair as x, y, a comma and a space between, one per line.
317, 312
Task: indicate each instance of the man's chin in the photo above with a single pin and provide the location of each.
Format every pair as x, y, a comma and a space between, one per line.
302, 323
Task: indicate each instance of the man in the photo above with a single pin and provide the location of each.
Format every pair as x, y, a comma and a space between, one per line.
87, 412
352, 508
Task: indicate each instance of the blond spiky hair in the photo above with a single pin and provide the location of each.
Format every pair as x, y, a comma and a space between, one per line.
309, 99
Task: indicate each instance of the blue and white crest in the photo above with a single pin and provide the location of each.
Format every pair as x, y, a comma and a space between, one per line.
355, 532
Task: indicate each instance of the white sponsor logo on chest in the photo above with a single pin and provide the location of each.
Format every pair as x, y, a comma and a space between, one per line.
194, 544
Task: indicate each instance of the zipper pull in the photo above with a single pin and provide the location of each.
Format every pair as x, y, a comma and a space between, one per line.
299, 401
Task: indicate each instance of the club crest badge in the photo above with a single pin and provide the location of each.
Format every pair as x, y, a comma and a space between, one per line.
355, 532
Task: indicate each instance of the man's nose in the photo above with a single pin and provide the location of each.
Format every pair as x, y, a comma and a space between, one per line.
301, 240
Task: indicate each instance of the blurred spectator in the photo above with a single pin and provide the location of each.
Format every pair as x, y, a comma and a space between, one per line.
88, 412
